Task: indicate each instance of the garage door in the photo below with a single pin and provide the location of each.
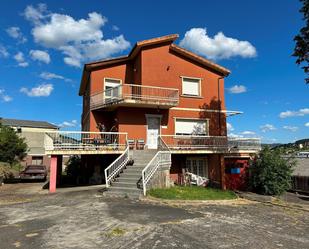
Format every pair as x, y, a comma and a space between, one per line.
191, 126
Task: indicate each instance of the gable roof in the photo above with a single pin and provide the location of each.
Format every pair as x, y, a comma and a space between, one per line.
135, 50
27, 123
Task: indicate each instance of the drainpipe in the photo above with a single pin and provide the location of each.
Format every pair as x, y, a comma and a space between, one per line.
219, 105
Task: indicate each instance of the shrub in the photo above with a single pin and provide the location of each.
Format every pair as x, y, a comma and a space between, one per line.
270, 173
12, 147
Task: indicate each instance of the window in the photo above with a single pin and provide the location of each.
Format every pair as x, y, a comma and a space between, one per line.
37, 160
191, 86
197, 166
191, 127
111, 87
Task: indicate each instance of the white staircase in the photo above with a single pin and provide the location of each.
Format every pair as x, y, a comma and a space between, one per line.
128, 181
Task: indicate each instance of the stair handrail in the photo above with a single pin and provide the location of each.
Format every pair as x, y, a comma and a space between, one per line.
116, 166
162, 157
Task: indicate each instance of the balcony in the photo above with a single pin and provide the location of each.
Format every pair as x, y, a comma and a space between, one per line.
79, 142
210, 144
135, 96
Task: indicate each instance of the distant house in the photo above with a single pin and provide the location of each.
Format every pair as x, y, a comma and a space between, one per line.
34, 133
300, 176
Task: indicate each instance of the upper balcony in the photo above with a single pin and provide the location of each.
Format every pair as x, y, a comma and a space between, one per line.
135, 96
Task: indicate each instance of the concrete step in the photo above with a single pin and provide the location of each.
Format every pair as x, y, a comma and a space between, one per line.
124, 184
125, 191
130, 174
135, 167
134, 170
126, 179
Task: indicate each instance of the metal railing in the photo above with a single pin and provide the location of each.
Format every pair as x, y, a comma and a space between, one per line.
189, 142
115, 167
135, 94
160, 159
82, 140
244, 143
196, 142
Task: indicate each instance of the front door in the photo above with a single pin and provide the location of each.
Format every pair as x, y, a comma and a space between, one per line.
153, 131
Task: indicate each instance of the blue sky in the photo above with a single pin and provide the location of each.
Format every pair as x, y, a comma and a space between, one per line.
42, 51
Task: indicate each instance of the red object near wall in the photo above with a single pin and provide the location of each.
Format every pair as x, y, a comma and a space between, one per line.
233, 180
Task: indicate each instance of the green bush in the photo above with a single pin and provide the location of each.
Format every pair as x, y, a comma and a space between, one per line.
270, 173
12, 147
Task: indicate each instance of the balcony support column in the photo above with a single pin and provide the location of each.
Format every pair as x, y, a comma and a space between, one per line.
53, 174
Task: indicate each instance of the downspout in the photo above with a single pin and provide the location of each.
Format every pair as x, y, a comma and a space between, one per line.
219, 105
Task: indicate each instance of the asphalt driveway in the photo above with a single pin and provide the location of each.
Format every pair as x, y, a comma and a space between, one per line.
86, 219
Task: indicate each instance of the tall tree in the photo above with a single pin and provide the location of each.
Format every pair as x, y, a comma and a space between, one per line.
301, 50
12, 147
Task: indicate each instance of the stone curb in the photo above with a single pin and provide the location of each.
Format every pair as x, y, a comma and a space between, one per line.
236, 201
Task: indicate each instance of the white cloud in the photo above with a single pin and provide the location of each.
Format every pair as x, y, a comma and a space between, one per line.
39, 55
43, 90
234, 135
300, 112
49, 76
19, 57
307, 124
229, 127
290, 128
35, 14
218, 47
267, 127
4, 97
237, 89
78, 39
248, 133
15, 33
64, 124
3, 51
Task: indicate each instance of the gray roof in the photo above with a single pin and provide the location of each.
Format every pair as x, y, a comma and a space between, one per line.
27, 123
302, 167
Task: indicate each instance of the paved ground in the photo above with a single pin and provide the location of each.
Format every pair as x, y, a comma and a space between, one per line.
85, 219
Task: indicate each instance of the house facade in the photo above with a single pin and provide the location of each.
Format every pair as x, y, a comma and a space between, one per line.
163, 94
34, 134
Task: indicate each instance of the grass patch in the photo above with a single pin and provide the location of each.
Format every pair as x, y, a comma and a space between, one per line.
192, 193
117, 232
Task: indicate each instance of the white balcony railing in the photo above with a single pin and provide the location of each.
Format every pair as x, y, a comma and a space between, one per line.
189, 142
135, 94
244, 143
85, 141
196, 142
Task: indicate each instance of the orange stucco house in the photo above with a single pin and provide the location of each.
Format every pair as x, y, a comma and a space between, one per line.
160, 94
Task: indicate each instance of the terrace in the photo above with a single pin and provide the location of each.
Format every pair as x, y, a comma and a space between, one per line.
80, 142
135, 95
210, 144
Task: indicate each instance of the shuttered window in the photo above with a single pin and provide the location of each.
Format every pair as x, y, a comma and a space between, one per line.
191, 87
191, 127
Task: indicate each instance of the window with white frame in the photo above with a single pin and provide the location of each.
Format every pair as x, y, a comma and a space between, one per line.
111, 87
191, 86
191, 126
197, 166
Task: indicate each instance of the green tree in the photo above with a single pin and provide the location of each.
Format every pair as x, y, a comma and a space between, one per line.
270, 173
301, 50
12, 147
